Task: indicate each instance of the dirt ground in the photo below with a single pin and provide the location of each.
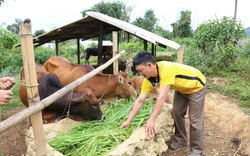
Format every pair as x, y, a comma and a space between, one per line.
227, 130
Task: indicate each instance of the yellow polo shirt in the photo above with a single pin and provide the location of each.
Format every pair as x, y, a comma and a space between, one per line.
180, 77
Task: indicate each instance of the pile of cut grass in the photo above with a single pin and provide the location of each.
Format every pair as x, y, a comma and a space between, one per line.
95, 138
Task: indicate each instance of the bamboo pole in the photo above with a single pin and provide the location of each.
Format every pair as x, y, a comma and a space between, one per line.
32, 89
116, 63
24, 114
180, 55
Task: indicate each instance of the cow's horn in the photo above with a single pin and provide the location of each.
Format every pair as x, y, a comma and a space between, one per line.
89, 94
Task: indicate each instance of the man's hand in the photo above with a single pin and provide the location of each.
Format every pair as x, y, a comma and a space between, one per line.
7, 82
125, 124
150, 128
5, 96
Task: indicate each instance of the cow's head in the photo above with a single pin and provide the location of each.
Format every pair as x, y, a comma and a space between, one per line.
88, 106
153, 93
125, 89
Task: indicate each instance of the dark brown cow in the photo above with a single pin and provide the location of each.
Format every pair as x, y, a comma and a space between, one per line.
105, 86
79, 105
137, 83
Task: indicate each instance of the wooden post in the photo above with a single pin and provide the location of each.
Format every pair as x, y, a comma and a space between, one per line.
115, 43
145, 45
32, 85
57, 51
180, 55
78, 51
100, 53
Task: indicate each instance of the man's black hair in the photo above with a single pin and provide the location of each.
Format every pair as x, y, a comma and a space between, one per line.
143, 57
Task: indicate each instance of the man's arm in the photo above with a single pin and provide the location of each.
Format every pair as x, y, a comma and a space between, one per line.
5, 96
150, 125
136, 108
7, 82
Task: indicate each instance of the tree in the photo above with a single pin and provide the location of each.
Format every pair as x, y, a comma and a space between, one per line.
217, 44
162, 32
222, 32
113, 9
7, 41
7, 38
39, 32
182, 27
149, 22
14, 28
126, 18
1, 2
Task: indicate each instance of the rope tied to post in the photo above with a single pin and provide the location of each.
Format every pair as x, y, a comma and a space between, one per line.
105, 88
27, 85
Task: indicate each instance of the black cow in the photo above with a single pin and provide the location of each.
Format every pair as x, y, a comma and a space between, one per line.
90, 52
106, 50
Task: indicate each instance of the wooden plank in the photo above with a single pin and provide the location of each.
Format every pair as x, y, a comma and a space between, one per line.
32, 85
26, 113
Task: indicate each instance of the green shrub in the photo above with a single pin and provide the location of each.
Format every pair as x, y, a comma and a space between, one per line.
43, 53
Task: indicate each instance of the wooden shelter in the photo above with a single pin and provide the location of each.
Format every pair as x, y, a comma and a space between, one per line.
95, 25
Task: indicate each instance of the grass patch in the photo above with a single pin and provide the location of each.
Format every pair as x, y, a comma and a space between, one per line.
94, 138
237, 87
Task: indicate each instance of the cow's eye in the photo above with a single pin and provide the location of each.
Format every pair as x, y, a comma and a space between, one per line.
130, 83
95, 105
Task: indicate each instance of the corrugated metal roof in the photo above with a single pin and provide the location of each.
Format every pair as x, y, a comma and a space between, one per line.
137, 31
89, 27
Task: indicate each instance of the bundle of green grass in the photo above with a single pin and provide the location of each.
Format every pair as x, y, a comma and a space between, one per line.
94, 138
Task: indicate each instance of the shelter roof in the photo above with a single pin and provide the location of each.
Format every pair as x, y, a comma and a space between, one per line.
89, 27
86, 43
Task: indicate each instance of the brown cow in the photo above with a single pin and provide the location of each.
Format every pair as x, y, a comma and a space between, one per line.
105, 86
137, 83
79, 105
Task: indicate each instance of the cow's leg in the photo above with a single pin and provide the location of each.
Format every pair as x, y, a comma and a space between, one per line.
87, 57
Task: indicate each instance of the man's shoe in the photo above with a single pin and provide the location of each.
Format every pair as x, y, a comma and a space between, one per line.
192, 153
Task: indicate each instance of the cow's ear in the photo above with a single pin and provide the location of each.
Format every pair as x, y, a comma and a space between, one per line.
120, 80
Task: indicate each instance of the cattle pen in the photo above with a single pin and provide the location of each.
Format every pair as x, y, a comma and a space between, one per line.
36, 105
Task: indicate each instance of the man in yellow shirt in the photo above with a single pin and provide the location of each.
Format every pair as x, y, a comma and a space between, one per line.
190, 90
